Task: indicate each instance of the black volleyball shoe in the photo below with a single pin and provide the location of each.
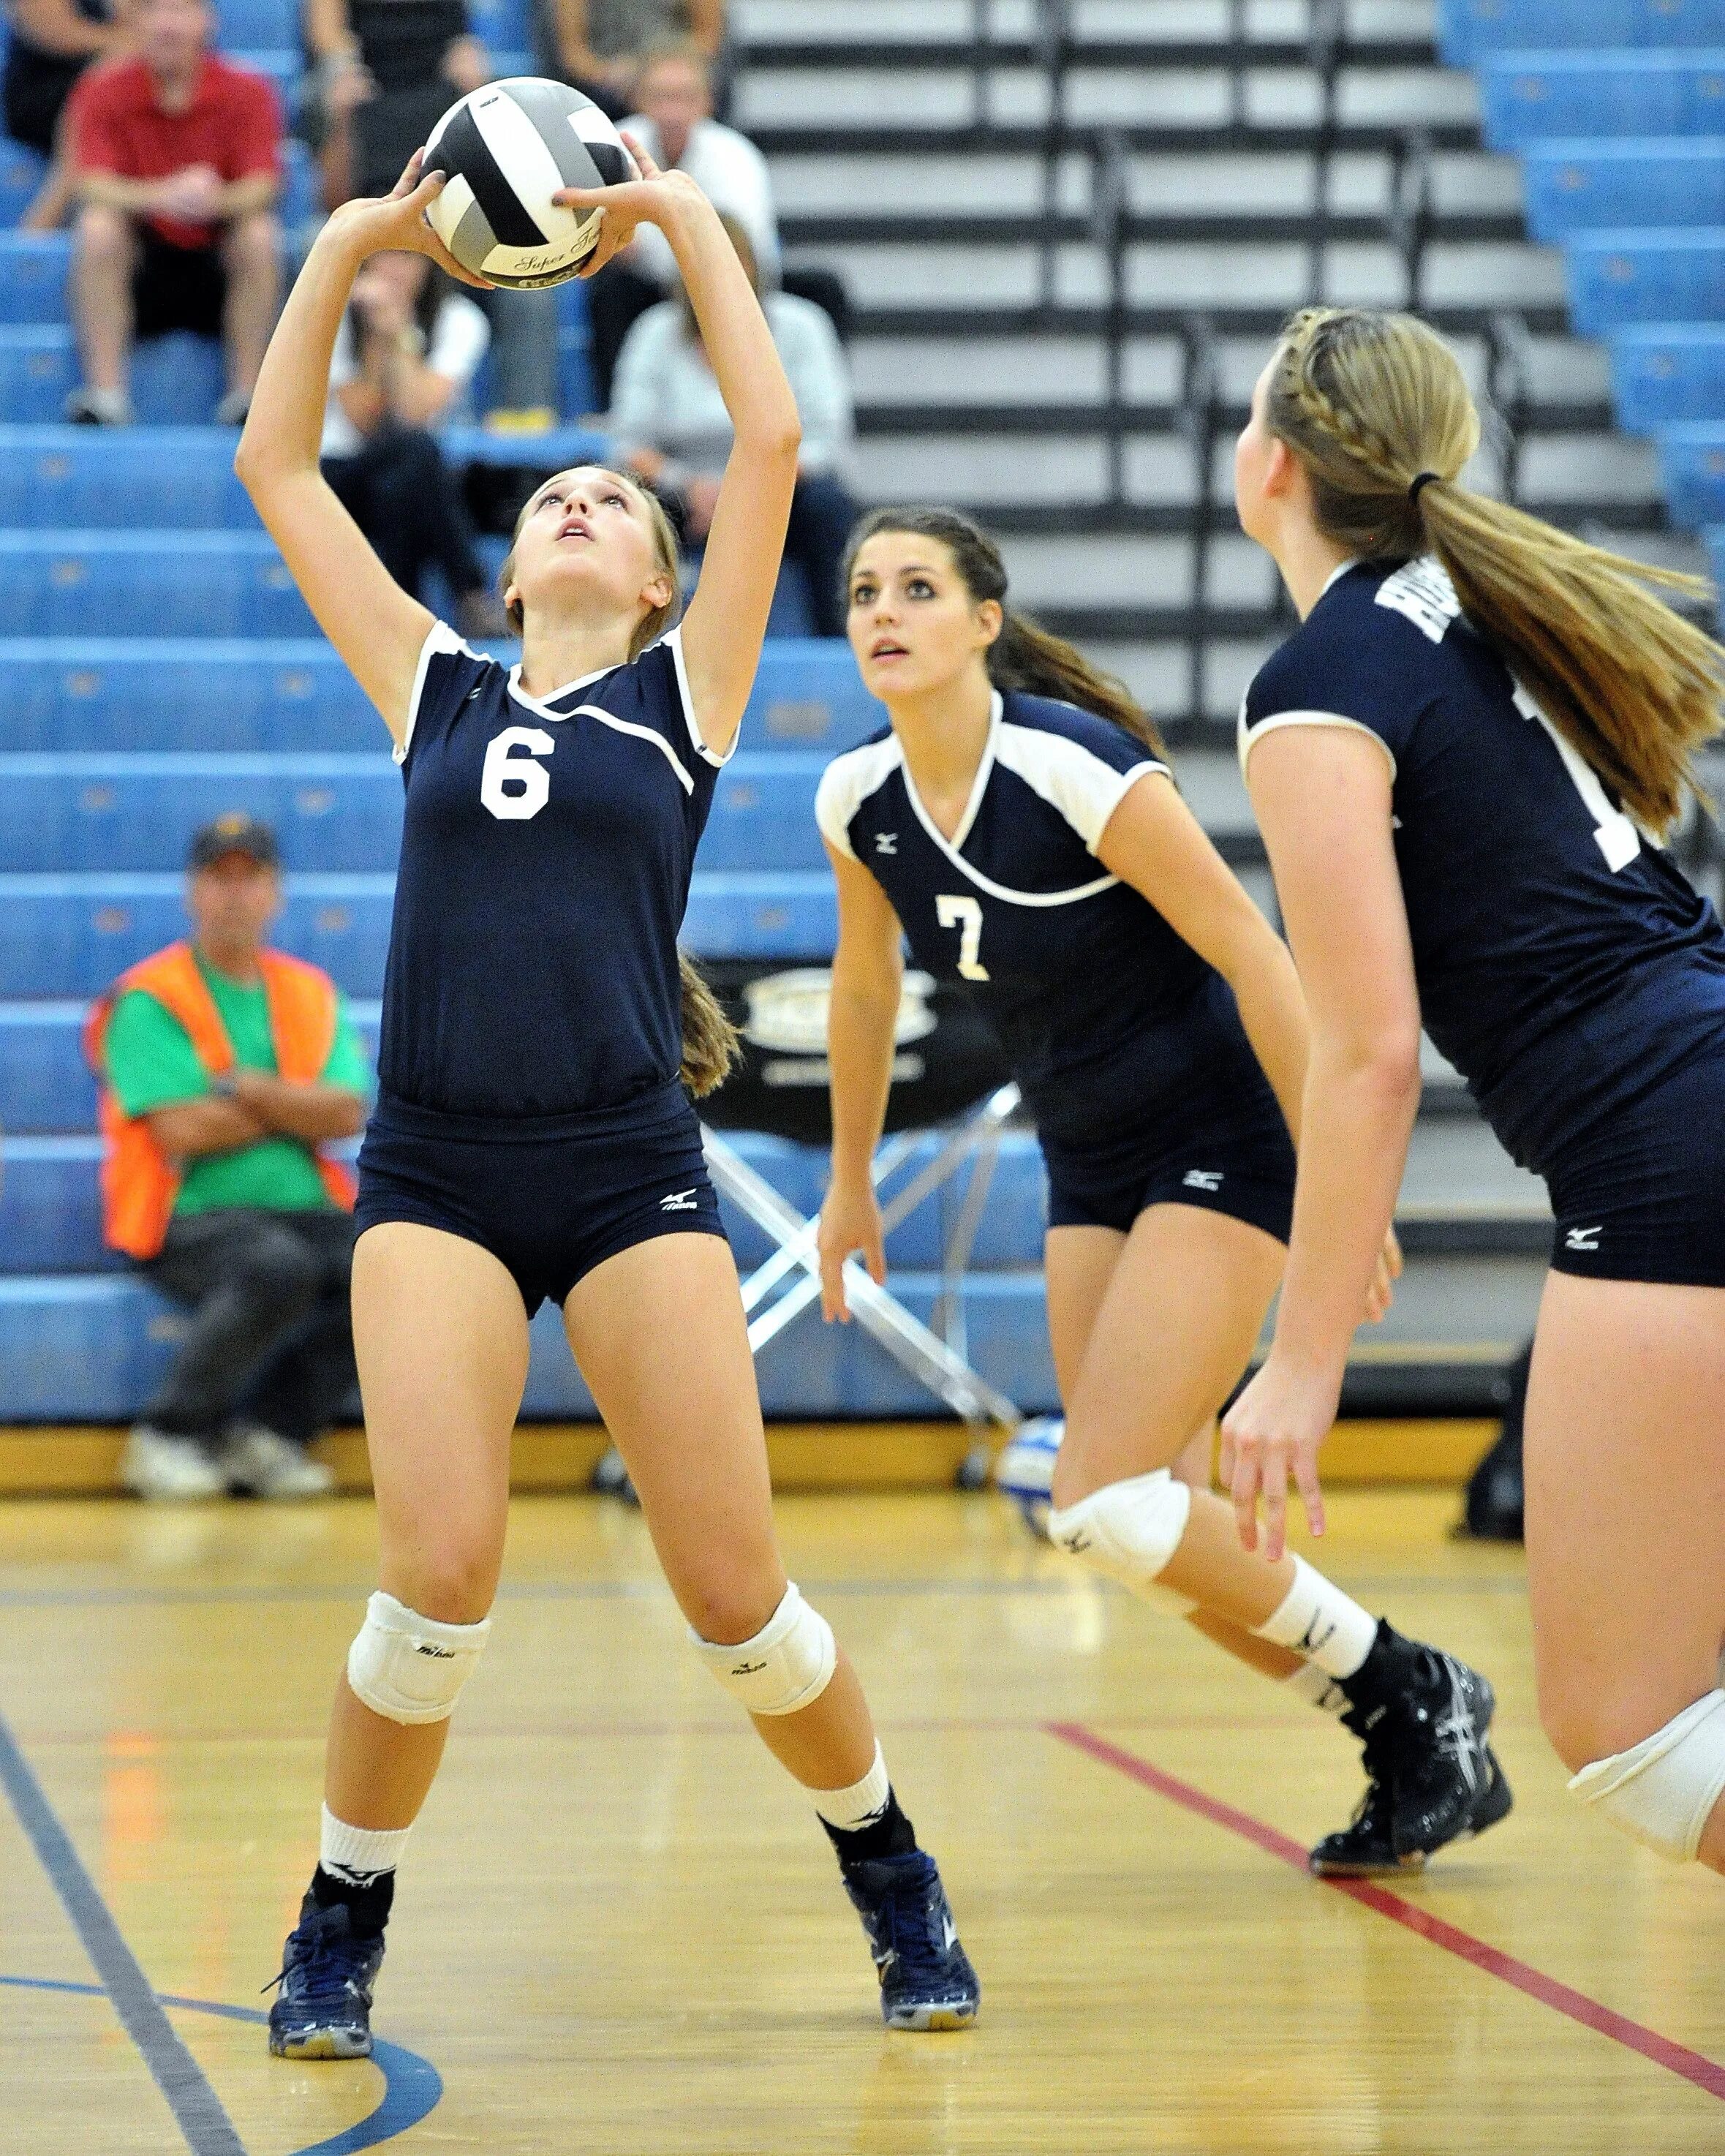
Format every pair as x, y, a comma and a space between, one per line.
323, 2008
926, 1981
1432, 1778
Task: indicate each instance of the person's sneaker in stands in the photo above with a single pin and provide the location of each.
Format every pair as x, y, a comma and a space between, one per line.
258, 1462
159, 1466
99, 407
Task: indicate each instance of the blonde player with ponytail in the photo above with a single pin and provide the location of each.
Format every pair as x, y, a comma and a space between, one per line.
1465, 763
1018, 822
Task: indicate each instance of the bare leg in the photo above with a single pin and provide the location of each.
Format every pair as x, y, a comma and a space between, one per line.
1147, 1348
1625, 1471
103, 254
251, 253
441, 1340
658, 1333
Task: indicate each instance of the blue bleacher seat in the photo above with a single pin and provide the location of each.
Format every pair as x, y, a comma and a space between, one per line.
33, 267
1665, 372
1468, 30
1578, 187
503, 25
147, 583
1652, 275
1715, 537
69, 935
86, 813
50, 1208
92, 693
21, 175
91, 1348
1691, 466
121, 477
1526, 96
177, 380
257, 26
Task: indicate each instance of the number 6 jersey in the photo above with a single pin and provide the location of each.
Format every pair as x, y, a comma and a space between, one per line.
546, 851
1565, 965
1105, 1013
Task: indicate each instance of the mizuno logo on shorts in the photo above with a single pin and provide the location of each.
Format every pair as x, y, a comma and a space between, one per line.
677, 1201
886, 842
1203, 1178
1582, 1239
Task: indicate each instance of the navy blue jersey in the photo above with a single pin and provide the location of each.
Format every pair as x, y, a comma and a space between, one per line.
546, 855
1103, 1011
1564, 964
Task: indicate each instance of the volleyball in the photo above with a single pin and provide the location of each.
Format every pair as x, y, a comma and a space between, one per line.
507, 149
1025, 1471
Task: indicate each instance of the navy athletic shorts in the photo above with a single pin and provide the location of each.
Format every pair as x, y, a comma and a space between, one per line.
550, 1197
1642, 1197
1239, 1161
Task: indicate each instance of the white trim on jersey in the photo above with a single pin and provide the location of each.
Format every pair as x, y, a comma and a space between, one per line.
847, 782
717, 757
978, 785
642, 733
541, 704
1249, 737
439, 640
1065, 774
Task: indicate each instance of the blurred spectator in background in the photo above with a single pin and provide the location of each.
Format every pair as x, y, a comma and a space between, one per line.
672, 431
178, 165
52, 43
677, 130
405, 356
225, 1067
384, 74
601, 46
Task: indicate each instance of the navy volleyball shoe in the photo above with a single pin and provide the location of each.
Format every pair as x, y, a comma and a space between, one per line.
926, 1981
322, 2009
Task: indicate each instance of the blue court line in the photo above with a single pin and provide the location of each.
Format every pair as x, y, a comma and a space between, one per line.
206, 2127
412, 2086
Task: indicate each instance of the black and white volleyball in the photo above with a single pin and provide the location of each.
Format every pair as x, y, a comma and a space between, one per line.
507, 149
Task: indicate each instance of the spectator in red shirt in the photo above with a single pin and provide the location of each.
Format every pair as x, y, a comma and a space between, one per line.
178, 170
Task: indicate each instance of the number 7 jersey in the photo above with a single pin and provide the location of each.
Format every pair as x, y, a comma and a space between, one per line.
1104, 1012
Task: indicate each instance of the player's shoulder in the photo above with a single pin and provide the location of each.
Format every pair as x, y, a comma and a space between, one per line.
853, 777
1036, 728
1374, 649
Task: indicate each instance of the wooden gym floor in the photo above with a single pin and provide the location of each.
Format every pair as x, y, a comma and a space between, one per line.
620, 1931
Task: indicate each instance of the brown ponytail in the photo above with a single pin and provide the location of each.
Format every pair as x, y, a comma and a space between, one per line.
1024, 656
1368, 402
711, 1047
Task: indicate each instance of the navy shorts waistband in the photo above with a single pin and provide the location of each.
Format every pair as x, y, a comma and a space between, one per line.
658, 1106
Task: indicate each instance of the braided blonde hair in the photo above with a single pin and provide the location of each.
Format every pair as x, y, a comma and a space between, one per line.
1370, 403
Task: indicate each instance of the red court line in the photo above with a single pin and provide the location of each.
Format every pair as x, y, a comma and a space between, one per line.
1575, 2005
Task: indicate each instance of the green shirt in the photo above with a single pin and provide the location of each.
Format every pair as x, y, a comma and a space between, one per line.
152, 1063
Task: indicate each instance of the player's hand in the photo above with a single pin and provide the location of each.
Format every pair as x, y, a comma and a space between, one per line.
1273, 1432
849, 1222
396, 222
1381, 1293
653, 198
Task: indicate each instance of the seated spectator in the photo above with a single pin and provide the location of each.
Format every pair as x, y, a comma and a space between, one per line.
405, 355
52, 43
225, 1068
601, 46
672, 431
176, 155
385, 73
675, 126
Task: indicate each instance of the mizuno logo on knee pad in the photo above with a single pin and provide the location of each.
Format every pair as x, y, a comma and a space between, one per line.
787, 1666
1128, 1531
410, 1669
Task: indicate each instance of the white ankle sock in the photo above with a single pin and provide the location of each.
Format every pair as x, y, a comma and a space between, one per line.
1317, 1619
1317, 1689
859, 1805
359, 1854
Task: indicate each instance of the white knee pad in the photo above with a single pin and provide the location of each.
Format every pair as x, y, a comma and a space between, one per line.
409, 1668
787, 1666
1128, 1530
1662, 1790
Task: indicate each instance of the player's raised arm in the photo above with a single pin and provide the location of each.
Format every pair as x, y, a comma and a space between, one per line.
726, 621
378, 628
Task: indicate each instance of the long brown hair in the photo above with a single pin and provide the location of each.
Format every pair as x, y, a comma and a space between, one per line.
1024, 656
711, 1047
1368, 402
